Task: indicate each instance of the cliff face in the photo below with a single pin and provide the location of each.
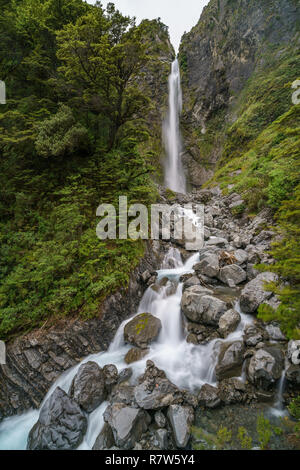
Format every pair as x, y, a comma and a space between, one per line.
230, 43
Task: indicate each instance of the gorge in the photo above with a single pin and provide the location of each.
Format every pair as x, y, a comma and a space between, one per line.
152, 347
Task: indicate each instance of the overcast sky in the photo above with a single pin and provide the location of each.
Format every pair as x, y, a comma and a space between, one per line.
179, 15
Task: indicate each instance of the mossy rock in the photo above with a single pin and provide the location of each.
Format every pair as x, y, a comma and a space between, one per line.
142, 330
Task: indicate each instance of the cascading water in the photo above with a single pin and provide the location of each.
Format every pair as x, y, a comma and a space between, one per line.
174, 175
187, 365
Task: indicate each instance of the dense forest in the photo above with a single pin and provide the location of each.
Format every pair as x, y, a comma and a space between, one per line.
72, 135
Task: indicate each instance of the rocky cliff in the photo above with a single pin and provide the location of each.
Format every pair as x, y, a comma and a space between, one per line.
232, 42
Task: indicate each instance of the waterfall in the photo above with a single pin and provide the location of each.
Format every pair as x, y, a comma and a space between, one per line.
174, 175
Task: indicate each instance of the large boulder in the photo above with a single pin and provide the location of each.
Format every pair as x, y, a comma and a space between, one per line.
202, 308
254, 334
209, 396
111, 376
127, 424
61, 424
230, 360
293, 375
142, 330
155, 391
208, 266
254, 293
135, 355
181, 419
294, 352
265, 367
88, 387
232, 275
229, 322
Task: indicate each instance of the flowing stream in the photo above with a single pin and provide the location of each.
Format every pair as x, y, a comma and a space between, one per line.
186, 365
174, 175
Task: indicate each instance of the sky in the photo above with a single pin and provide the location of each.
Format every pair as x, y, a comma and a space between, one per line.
179, 15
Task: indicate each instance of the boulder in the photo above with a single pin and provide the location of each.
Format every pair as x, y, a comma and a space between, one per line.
294, 352
275, 333
127, 424
111, 376
253, 335
201, 308
61, 424
123, 393
208, 266
232, 275
135, 354
229, 322
293, 375
142, 330
88, 387
181, 419
125, 375
254, 294
233, 390
105, 440
216, 241
241, 256
161, 439
209, 396
265, 367
160, 419
191, 282
230, 360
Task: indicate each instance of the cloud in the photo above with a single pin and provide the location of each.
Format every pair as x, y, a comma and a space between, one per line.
179, 15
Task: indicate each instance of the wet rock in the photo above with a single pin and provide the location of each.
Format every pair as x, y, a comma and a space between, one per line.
145, 276
253, 295
201, 308
293, 375
123, 393
155, 391
111, 376
135, 354
294, 352
181, 419
200, 334
127, 424
88, 387
142, 330
209, 396
275, 333
233, 390
61, 424
125, 375
229, 322
230, 360
208, 266
265, 367
191, 282
160, 419
232, 275
253, 335
105, 440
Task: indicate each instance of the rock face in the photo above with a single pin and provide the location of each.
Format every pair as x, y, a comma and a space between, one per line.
201, 308
181, 419
88, 387
229, 322
127, 424
265, 367
254, 294
209, 396
61, 425
36, 360
142, 330
230, 360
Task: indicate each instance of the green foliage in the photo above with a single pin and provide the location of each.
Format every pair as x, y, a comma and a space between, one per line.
264, 431
294, 408
245, 439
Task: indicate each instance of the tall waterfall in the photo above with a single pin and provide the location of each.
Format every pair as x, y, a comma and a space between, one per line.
174, 175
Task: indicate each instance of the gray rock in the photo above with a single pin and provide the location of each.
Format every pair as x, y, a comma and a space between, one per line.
294, 352
142, 330
275, 333
293, 375
218, 241
230, 360
123, 393
127, 424
252, 273
191, 282
146, 275
135, 354
241, 256
160, 419
232, 275
232, 390
208, 266
209, 396
254, 294
125, 375
61, 424
201, 308
229, 322
88, 387
111, 376
265, 367
181, 419
105, 440
162, 439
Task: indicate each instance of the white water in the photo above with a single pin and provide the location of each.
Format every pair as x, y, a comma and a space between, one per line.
186, 365
174, 175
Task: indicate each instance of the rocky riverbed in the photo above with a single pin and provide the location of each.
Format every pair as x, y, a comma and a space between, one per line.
192, 353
